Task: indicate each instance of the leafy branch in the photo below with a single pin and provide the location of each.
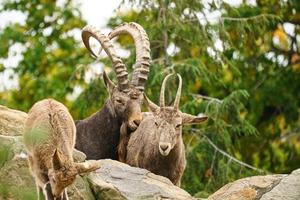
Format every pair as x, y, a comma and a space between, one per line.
230, 157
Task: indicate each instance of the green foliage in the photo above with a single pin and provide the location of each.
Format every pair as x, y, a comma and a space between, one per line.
18, 193
36, 136
52, 56
8, 191
4, 154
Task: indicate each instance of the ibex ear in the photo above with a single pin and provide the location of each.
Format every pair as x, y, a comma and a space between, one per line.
191, 119
151, 106
56, 161
108, 83
87, 166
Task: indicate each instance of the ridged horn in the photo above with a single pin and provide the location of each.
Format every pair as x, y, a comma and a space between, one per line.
162, 91
118, 65
178, 94
142, 45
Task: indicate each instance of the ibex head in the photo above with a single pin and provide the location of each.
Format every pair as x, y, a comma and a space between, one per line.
127, 96
169, 119
63, 173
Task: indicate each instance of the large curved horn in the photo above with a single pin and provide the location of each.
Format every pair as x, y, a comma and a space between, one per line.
162, 91
119, 67
142, 45
178, 94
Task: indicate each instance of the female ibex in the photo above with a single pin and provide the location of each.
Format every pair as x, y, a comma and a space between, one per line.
157, 143
98, 135
49, 137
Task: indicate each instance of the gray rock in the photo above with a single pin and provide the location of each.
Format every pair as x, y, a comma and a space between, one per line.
11, 121
247, 188
78, 156
269, 187
287, 189
120, 181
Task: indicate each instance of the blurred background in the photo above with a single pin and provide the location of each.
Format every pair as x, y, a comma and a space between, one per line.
239, 60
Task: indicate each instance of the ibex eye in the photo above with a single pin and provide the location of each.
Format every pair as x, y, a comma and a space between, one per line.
178, 126
119, 101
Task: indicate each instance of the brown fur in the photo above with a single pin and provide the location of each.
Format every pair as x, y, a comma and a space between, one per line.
49, 138
124, 139
157, 143
98, 135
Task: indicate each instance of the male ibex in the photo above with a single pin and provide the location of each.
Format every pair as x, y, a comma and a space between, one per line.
98, 135
49, 137
157, 143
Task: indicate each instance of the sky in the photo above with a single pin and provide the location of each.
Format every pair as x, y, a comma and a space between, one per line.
94, 12
98, 12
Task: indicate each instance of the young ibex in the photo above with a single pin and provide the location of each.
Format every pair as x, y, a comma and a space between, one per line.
157, 143
49, 138
98, 135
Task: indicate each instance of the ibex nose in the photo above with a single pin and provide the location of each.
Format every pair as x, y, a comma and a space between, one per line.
164, 146
137, 122
134, 123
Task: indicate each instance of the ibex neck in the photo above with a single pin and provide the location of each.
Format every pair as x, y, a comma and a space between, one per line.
108, 114
110, 108
178, 148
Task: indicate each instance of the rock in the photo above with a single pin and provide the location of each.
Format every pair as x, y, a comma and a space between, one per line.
11, 121
15, 179
269, 187
80, 190
250, 188
78, 156
120, 181
114, 180
287, 189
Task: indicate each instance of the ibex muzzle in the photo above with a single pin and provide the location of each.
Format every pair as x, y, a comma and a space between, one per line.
166, 140
133, 111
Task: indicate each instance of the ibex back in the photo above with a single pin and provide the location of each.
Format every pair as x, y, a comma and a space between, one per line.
49, 138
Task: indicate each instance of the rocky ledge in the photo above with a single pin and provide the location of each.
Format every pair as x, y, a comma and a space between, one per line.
269, 187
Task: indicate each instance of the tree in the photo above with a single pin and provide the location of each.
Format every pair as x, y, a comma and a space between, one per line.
54, 62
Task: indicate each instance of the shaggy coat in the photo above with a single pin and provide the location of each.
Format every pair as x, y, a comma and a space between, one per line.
49, 137
101, 134
98, 135
143, 151
157, 143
